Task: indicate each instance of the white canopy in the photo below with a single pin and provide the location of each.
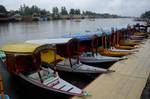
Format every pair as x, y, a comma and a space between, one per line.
49, 41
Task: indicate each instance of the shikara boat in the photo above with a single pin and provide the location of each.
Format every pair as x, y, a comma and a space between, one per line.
67, 49
116, 40
23, 60
128, 43
108, 52
134, 34
2, 95
88, 42
139, 34
98, 60
125, 38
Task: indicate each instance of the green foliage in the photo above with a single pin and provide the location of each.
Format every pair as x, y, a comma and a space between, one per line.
55, 11
74, 12
146, 15
77, 11
3, 11
36, 11
33, 10
89, 13
44, 12
64, 11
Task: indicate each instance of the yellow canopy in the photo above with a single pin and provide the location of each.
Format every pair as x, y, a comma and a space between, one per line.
48, 56
21, 48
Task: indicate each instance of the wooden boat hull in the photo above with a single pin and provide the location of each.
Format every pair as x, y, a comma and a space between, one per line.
122, 50
104, 65
106, 52
124, 47
139, 34
136, 41
57, 85
136, 38
128, 43
76, 68
98, 60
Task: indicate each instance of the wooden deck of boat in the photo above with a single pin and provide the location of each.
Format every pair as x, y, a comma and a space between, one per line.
127, 82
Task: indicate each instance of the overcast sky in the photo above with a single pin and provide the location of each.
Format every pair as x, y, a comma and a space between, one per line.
120, 7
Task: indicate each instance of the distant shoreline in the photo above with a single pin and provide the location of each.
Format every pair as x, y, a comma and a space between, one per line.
32, 19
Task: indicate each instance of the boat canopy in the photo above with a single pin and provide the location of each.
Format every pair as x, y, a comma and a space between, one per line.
24, 48
79, 36
86, 35
50, 41
20, 48
27, 55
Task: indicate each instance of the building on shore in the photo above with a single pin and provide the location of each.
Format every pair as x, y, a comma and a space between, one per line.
3, 17
15, 18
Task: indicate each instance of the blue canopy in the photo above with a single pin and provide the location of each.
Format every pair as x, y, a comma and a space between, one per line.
83, 36
88, 35
79, 36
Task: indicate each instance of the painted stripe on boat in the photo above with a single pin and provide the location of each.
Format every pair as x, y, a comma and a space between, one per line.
58, 86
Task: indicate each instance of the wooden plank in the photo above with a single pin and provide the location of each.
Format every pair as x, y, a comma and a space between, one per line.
127, 82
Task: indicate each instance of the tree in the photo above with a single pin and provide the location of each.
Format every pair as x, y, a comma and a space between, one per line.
28, 11
64, 11
3, 11
55, 11
72, 11
89, 13
44, 12
77, 11
35, 9
146, 15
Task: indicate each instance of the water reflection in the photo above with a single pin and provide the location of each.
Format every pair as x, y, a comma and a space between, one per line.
21, 31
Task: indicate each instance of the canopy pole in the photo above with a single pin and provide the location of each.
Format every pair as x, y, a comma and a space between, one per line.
54, 61
118, 37
115, 43
40, 76
92, 45
103, 41
78, 53
105, 38
1, 88
110, 41
38, 64
68, 51
96, 45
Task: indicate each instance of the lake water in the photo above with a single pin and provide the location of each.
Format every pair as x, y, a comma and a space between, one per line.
22, 31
